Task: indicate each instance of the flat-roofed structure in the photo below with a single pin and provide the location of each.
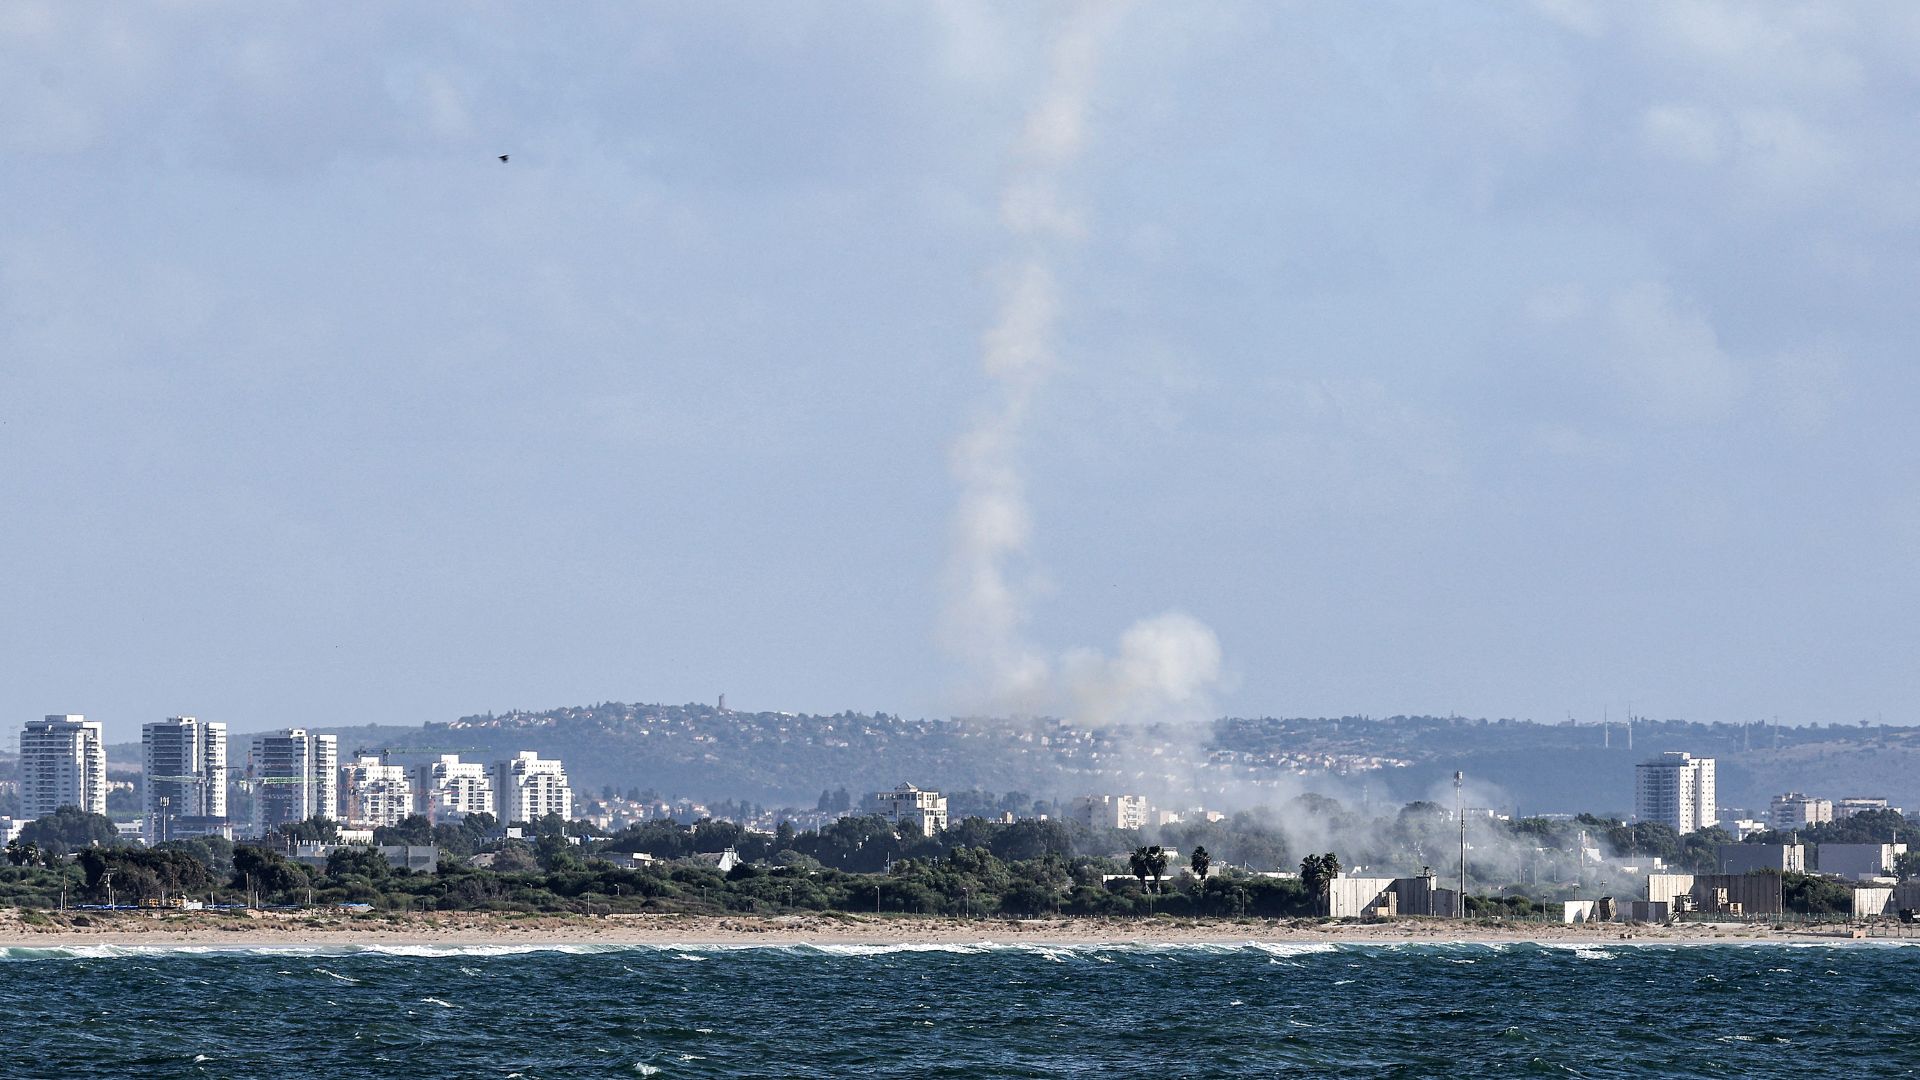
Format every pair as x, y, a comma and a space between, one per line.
1675, 789
63, 762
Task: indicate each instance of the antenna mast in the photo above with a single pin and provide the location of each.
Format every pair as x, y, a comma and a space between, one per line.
1460, 813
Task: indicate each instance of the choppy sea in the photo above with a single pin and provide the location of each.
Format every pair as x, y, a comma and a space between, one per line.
964, 1010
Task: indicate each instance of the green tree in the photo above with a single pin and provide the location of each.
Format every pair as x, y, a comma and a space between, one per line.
515, 857
1317, 873
413, 830
1811, 894
213, 852
1138, 866
266, 872
70, 829
1201, 863
138, 873
318, 828
1148, 862
1031, 838
1157, 860
358, 860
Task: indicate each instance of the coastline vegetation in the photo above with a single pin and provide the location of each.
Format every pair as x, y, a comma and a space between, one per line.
856, 864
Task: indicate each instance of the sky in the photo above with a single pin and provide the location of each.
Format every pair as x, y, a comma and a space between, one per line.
1532, 360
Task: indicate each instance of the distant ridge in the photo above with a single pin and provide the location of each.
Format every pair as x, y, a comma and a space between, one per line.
789, 758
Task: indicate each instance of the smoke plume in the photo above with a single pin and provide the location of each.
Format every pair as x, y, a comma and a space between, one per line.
1164, 665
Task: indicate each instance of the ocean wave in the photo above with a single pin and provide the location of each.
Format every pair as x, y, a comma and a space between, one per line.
1058, 951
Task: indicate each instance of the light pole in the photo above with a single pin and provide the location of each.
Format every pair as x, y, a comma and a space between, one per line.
1460, 813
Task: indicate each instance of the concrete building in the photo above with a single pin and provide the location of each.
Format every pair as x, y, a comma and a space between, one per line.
722, 861
420, 858
1885, 901
1796, 811
63, 762
927, 809
1859, 862
1385, 898
1675, 789
1731, 895
295, 775
185, 759
1649, 911
527, 787
1860, 804
1777, 858
1110, 811
373, 794
450, 789
1574, 912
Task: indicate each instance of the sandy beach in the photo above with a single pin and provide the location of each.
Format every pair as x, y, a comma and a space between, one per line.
323, 929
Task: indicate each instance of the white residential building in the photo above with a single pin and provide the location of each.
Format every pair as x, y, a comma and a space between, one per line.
1860, 804
450, 789
1110, 811
1675, 789
527, 788
295, 775
186, 779
1796, 811
373, 794
63, 762
927, 809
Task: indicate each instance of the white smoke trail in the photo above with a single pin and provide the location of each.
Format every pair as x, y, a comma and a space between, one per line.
1164, 664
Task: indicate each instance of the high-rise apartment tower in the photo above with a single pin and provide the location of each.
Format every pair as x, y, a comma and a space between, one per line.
63, 762
185, 786
295, 776
1676, 790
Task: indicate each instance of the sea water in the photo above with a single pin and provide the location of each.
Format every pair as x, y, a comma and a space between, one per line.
1413, 1010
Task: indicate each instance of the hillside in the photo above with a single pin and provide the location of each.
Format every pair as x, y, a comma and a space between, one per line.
788, 759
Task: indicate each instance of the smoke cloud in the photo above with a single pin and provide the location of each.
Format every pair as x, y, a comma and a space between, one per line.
1164, 665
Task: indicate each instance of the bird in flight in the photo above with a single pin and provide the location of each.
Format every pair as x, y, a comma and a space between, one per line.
503, 159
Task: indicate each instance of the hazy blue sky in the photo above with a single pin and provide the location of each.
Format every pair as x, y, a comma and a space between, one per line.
1501, 359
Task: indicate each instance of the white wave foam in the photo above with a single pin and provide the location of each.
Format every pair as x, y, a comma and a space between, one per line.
1058, 951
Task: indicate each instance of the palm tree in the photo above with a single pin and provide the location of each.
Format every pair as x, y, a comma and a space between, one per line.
1317, 873
1137, 864
1156, 864
1201, 862
1310, 873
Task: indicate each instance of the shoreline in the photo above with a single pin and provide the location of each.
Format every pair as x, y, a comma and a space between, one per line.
465, 930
